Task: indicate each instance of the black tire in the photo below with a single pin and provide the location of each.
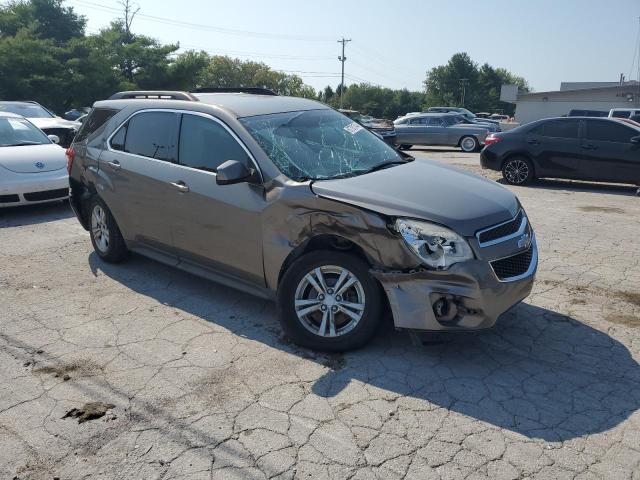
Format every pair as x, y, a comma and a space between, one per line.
518, 171
405, 146
350, 339
473, 144
114, 250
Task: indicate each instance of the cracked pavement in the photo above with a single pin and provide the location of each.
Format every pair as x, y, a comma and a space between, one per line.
204, 385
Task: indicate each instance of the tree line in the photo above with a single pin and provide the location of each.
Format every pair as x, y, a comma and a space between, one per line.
46, 55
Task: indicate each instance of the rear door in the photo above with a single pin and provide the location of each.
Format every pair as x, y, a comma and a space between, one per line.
555, 147
437, 131
140, 167
609, 154
216, 226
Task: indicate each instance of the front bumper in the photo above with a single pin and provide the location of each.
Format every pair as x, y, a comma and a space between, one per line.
33, 188
474, 293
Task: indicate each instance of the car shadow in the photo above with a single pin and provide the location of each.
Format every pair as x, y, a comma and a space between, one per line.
34, 214
580, 186
434, 150
538, 373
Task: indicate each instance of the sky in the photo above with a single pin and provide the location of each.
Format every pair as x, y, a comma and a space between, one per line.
395, 42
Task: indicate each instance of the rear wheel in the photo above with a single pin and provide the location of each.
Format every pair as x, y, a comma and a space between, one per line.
328, 301
469, 144
518, 171
105, 235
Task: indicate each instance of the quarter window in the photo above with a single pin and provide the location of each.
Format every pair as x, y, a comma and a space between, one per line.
97, 118
205, 144
609, 131
153, 135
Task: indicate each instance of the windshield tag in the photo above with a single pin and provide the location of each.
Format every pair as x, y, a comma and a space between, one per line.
353, 128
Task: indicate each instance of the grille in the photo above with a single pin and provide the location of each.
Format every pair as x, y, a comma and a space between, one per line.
513, 266
46, 195
503, 230
9, 198
65, 134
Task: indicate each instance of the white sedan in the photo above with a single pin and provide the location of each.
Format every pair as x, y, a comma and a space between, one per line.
32, 167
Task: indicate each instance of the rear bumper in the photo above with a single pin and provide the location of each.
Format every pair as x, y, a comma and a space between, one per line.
489, 160
475, 295
33, 188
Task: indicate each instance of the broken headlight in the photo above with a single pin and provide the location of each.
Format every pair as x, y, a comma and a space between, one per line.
437, 246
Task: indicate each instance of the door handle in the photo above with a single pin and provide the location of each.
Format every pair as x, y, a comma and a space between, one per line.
180, 186
114, 164
533, 142
589, 147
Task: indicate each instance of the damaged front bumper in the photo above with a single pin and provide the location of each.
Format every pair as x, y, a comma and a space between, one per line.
467, 296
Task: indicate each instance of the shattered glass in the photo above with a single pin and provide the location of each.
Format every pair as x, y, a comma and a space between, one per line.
318, 144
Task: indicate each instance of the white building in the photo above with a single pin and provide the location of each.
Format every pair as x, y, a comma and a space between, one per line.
600, 96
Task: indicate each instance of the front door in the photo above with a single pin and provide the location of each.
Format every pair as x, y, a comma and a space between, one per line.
217, 226
139, 166
609, 154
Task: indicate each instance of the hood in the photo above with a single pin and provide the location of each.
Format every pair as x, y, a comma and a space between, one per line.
54, 122
33, 158
428, 190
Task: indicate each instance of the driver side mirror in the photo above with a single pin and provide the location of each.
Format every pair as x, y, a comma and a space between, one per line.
54, 138
232, 171
635, 140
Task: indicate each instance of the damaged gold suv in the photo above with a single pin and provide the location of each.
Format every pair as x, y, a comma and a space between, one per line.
288, 199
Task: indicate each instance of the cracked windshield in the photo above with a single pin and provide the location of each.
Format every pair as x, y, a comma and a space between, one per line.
319, 144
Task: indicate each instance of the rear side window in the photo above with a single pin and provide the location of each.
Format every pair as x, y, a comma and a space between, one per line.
621, 114
96, 118
558, 129
153, 135
435, 122
205, 144
609, 131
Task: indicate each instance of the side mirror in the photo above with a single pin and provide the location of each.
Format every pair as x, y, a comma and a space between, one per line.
232, 171
635, 140
54, 138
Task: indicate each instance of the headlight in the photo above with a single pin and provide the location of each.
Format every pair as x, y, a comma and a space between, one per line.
437, 246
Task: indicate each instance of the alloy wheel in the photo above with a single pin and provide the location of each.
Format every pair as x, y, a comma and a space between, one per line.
99, 228
329, 301
516, 171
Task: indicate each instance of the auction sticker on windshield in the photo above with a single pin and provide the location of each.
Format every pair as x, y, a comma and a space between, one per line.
353, 128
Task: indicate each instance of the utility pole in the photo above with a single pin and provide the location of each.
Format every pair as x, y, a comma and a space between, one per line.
463, 83
342, 59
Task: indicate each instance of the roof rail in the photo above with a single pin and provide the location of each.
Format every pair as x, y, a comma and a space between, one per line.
253, 90
154, 95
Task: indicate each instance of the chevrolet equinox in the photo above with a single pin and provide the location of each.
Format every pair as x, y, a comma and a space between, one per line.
290, 200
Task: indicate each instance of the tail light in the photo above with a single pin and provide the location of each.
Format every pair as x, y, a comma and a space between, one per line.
70, 156
491, 139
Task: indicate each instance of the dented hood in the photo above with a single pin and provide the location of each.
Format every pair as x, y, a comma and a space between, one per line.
426, 190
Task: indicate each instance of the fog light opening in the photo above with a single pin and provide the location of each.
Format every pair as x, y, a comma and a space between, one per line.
445, 309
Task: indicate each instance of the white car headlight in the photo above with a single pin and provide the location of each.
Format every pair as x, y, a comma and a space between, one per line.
437, 246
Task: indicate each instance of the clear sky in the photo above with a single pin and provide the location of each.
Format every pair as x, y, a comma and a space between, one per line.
394, 41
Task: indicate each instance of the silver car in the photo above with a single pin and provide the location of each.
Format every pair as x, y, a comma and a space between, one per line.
438, 129
290, 200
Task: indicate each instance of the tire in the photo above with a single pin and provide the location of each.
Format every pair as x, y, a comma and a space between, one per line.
405, 146
105, 235
347, 332
469, 144
518, 171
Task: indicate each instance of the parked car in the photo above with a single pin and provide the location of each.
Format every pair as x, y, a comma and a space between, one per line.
438, 129
32, 166
462, 111
383, 128
624, 112
44, 119
588, 113
76, 113
482, 114
580, 148
288, 199
499, 117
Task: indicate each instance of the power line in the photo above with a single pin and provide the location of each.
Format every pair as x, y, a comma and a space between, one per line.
211, 28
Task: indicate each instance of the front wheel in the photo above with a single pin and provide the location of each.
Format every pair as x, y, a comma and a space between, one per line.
328, 301
469, 144
518, 171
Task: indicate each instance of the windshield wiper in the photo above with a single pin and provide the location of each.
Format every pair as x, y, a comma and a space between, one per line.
382, 165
